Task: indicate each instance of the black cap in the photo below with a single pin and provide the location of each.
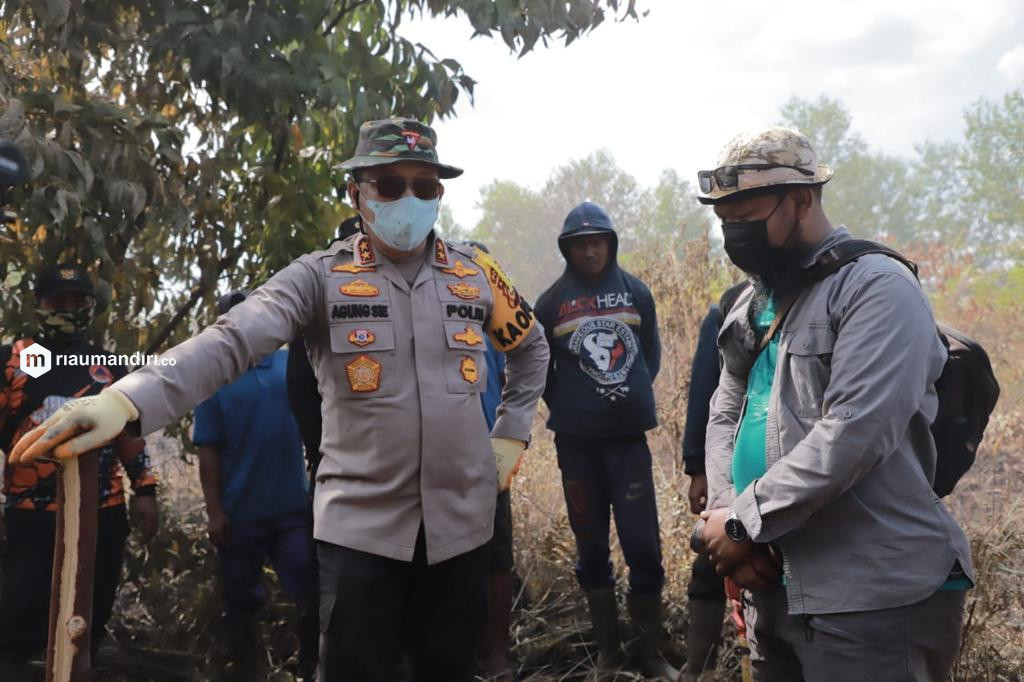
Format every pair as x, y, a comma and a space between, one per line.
57, 279
230, 300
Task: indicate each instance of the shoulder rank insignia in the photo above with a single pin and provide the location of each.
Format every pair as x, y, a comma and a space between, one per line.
468, 370
363, 374
361, 337
440, 252
359, 287
364, 252
467, 292
460, 270
468, 337
353, 269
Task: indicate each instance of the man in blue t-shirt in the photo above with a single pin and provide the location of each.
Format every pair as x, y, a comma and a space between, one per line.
253, 477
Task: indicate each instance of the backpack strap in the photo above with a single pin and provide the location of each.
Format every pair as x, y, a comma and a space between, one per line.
850, 250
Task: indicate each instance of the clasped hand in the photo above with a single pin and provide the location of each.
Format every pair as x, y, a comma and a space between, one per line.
750, 565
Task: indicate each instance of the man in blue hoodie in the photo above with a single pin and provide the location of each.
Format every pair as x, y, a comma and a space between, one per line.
602, 329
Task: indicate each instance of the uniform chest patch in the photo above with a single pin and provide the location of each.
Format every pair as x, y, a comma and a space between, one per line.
359, 287
606, 348
353, 269
467, 292
468, 370
361, 337
460, 270
468, 337
363, 374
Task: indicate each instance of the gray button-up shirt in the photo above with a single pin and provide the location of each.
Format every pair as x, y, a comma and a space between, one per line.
400, 367
847, 495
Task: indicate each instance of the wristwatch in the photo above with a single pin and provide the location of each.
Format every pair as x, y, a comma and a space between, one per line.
734, 527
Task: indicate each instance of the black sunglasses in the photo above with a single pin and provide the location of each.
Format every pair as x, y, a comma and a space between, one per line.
727, 177
394, 186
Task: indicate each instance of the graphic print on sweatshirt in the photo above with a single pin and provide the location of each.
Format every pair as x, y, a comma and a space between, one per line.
601, 337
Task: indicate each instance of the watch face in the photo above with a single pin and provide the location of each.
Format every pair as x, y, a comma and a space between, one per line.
735, 530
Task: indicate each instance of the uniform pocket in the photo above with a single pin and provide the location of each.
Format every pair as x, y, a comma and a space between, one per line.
809, 355
363, 357
465, 364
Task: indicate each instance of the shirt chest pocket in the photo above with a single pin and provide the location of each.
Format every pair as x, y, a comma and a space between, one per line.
363, 355
809, 359
465, 367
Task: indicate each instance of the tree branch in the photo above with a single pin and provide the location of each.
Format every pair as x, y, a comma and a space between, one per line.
345, 9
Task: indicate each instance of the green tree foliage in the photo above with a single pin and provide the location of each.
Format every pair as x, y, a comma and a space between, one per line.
521, 225
993, 165
182, 146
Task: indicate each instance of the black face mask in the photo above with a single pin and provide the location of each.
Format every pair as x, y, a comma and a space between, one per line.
747, 245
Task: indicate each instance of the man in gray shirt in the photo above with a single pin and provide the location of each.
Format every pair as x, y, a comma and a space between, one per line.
394, 319
820, 458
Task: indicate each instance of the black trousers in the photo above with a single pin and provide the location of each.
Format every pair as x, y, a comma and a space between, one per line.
601, 477
378, 614
27, 568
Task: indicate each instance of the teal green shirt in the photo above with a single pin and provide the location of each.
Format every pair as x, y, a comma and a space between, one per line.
748, 460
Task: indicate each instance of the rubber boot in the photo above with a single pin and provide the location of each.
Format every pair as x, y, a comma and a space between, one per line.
244, 651
604, 615
497, 644
703, 636
645, 610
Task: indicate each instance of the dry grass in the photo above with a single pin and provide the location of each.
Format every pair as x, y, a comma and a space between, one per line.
168, 609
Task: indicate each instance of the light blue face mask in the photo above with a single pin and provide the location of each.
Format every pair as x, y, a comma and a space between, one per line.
405, 223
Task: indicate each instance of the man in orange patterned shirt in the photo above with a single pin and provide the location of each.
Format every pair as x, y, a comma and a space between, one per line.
66, 302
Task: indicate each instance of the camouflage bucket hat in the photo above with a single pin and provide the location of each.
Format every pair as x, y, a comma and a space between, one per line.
770, 157
397, 139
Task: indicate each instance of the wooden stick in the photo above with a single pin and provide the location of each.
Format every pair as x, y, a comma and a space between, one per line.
74, 560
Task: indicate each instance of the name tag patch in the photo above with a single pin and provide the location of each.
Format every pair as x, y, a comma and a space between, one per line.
358, 311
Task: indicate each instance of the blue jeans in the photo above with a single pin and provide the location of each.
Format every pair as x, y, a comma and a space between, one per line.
601, 477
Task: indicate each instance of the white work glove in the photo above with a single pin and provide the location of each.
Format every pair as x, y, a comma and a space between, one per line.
79, 426
508, 452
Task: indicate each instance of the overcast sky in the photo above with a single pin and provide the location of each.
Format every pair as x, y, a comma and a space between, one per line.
669, 90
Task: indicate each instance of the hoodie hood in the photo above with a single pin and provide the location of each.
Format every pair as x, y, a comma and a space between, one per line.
588, 218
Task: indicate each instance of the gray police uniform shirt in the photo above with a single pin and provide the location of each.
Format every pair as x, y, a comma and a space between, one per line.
847, 495
400, 367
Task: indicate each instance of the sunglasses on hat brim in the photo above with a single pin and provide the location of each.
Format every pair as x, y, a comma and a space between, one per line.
728, 177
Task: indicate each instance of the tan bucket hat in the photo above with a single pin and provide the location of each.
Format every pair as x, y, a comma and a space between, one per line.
772, 156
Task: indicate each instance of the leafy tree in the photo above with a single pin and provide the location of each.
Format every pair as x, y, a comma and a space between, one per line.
523, 225
870, 192
184, 145
993, 165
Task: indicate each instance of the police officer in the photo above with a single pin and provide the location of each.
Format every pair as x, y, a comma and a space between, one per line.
395, 320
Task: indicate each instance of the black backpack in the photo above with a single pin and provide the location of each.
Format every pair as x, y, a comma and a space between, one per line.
967, 388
